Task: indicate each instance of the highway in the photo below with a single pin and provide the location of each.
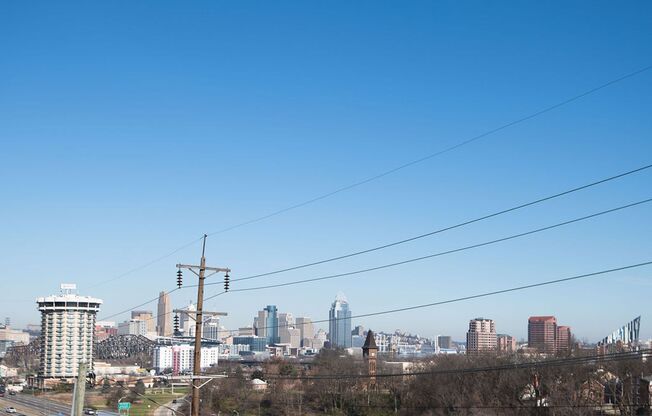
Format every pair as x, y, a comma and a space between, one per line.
38, 406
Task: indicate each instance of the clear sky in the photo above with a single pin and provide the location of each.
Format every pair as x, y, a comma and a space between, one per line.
128, 129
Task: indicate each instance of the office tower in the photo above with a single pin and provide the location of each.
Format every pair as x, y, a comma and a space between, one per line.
358, 330
164, 316
339, 323
211, 328
67, 332
266, 324
542, 333
147, 317
481, 336
187, 320
304, 325
445, 342
563, 341
133, 327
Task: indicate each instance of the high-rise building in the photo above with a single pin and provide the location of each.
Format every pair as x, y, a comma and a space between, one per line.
164, 316
542, 333
481, 336
445, 342
132, 327
211, 328
67, 332
304, 325
180, 358
147, 317
339, 323
563, 341
266, 324
506, 343
187, 320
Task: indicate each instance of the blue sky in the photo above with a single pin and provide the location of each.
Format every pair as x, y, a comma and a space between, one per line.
129, 129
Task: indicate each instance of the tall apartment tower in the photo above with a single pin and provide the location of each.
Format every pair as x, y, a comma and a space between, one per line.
67, 332
164, 316
542, 333
339, 323
481, 336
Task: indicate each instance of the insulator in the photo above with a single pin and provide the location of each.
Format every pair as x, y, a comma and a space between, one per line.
179, 278
226, 282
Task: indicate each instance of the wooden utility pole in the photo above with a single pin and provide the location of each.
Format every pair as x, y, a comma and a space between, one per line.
79, 392
201, 273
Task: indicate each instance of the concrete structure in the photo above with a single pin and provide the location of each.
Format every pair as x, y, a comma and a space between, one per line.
542, 333
291, 336
180, 358
339, 323
481, 336
506, 343
164, 316
67, 332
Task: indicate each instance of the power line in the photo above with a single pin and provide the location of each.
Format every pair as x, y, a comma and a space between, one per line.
451, 227
149, 263
442, 253
438, 153
480, 295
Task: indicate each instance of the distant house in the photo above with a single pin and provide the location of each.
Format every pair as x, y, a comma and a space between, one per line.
258, 384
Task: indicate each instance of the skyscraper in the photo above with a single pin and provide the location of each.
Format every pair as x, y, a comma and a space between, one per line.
542, 333
339, 323
563, 341
304, 324
266, 324
164, 316
67, 332
481, 336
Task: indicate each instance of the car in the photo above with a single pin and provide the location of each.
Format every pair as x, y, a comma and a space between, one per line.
12, 393
174, 401
10, 410
89, 411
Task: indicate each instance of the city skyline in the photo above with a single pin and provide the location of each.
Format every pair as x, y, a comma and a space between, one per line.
520, 333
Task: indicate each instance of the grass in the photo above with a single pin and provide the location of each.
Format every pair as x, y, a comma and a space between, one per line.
147, 407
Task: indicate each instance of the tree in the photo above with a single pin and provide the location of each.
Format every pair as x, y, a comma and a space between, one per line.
106, 386
258, 374
140, 387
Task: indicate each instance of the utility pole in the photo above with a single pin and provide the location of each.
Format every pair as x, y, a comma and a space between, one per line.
201, 273
78, 394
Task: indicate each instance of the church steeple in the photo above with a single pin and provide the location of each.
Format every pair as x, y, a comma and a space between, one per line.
369, 352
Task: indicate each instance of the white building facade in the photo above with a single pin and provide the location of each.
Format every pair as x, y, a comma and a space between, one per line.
67, 332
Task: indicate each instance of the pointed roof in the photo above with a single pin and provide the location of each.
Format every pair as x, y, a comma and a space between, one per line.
370, 342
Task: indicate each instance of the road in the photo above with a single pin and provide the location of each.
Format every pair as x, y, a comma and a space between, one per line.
28, 411
165, 410
39, 406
